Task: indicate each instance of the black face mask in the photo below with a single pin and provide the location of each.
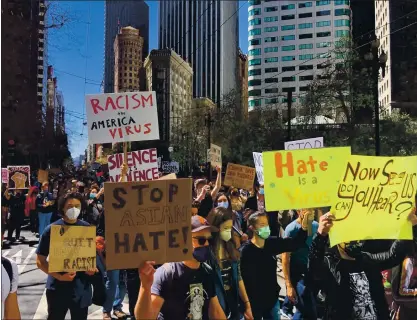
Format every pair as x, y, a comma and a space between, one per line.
201, 254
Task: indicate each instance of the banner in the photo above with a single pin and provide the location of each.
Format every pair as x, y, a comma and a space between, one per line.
72, 248
122, 117
148, 221
170, 167
4, 175
19, 177
239, 176
42, 176
302, 178
312, 143
143, 165
215, 156
259, 166
374, 198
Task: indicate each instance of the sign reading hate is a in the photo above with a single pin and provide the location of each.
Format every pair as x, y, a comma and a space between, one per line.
72, 248
239, 176
373, 200
143, 165
259, 166
122, 117
19, 177
302, 178
304, 144
147, 221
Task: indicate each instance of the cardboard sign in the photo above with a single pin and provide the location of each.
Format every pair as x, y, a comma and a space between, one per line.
215, 156
259, 166
19, 177
42, 176
4, 175
148, 221
143, 165
170, 167
170, 176
122, 117
374, 198
302, 178
239, 176
72, 248
312, 143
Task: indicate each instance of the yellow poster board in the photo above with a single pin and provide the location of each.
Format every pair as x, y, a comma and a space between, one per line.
374, 198
297, 179
72, 248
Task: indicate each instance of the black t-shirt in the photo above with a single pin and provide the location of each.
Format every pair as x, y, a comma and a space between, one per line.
186, 292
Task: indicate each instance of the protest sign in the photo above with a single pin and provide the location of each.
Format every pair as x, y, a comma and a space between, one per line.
215, 156
239, 176
259, 166
374, 198
147, 221
143, 165
4, 175
170, 167
43, 176
312, 143
302, 178
168, 177
72, 248
19, 177
122, 117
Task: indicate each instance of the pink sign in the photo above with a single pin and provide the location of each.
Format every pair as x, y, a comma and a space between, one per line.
4, 175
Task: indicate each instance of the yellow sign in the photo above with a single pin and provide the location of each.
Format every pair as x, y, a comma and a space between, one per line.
299, 179
374, 198
72, 248
239, 176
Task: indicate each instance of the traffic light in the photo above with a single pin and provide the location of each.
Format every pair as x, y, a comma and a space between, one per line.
11, 148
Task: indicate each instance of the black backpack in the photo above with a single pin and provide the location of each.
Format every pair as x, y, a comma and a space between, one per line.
9, 269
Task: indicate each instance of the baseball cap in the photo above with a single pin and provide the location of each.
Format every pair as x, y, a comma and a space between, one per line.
198, 223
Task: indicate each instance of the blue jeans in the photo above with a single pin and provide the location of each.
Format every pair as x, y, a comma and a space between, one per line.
115, 291
305, 305
272, 314
44, 221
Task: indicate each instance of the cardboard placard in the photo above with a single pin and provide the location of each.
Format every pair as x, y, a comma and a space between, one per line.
312, 143
170, 176
148, 221
259, 166
215, 156
374, 199
42, 176
4, 175
143, 165
239, 176
72, 248
122, 117
19, 177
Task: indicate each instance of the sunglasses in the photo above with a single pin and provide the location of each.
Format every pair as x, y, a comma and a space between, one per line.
201, 241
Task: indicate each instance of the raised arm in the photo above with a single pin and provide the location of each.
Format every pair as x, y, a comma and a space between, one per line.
218, 185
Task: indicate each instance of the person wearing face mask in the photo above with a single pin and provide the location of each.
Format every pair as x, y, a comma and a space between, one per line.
224, 260
95, 207
181, 290
205, 194
44, 203
65, 290
259, 264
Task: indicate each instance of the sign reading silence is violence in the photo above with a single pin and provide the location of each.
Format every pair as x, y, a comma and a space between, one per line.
302, 178
148, 221
374, 199
122, 117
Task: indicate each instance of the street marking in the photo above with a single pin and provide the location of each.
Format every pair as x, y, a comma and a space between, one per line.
22, 267
5, 253
18, 257
42, 310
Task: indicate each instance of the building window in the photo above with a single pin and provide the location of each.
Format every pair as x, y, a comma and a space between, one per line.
254, 12
306, 67
290, 89
271, 19
288, 79
271, 90
271, 29
288, 7
342, 33
254, 2
255, 32
254, 93
322, 2
254, 52
341, 2
288, 48
271, 60
305, 25
323, 13
305, 36
288, 17
269, 70
303, 89
342, 12
271, 49
288, 58
271, 80
285, 99
254, 42
305, 56
305, 46
255, 103
323, 24
342, 23
287, 38
305, 15
324, 44
285, 69
255, 22
323, 34
288, 27
305, 5
271, 9
271, 100
323, 55
254, 82
255, 72
255, 62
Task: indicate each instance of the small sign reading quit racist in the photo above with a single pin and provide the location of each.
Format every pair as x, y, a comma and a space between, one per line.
147, 221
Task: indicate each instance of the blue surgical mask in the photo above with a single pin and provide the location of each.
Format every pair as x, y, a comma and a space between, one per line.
262, 191
223, 204
93, 195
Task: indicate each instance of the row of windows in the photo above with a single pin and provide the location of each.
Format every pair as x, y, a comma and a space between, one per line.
257, 52
309, 56
258, 102
308, 4
337, 23
337, 12
258, 72
256, 32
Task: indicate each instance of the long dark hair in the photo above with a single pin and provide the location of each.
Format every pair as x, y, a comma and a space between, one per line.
216, 217
220, 194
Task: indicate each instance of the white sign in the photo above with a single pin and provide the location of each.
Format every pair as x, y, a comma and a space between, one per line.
143, 165
170, 167
122, 117
215, 156
312, 143
259, 166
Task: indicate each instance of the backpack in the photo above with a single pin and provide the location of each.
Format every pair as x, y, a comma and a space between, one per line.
9, 269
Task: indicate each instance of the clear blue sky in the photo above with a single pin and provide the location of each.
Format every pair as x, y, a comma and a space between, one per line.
77, 52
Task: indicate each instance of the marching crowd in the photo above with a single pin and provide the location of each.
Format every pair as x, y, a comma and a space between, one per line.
237, 245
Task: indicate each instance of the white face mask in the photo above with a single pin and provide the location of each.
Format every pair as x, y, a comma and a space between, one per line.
73, 213
226, 235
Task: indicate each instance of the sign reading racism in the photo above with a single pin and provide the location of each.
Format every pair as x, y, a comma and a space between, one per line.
147, 221
302, 178
374, 198
72, 248
215, 156
312, 143
43, 176
4, 175
239, 176
143, 165
19, 177
122, 117
259, 166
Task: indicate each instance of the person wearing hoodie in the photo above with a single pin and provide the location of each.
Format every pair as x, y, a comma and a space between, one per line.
44, 203
17, 213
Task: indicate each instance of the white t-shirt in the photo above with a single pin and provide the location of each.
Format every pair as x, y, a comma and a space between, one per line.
5, 283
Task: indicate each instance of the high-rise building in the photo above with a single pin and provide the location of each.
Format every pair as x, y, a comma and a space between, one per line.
55, 109
242, 74
172, 79
118, 14
204, 33
128, 61
288, 43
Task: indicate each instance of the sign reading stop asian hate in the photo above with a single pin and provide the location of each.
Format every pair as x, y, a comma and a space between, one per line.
304, 144
19, 177
143, 165
122, 117
239, 176
302, 178
148, 221
374, 197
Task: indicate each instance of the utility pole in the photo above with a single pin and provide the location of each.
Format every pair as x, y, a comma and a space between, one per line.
289, 105
209, 121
